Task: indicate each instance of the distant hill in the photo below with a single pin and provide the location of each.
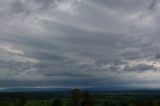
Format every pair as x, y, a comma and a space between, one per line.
27, 89
91, 89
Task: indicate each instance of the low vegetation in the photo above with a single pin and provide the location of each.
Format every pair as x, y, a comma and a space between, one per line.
79, 98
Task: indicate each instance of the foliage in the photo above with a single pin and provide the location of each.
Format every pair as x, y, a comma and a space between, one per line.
87, 99
78, 98
74, 99
57, 102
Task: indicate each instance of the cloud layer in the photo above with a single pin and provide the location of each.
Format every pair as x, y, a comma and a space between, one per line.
80, 43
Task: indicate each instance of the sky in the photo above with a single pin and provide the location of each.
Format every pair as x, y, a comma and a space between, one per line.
80, 43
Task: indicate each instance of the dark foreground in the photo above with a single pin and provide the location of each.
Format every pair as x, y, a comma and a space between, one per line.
81, 98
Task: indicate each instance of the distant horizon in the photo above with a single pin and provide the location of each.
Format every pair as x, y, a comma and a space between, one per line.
52, 89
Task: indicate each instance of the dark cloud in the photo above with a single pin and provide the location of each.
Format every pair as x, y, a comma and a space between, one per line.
131, 53
153, 5
128, 6
157, 56
140, 68
28, 7
69, 43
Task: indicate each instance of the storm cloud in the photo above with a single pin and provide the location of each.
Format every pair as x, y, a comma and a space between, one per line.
79, 43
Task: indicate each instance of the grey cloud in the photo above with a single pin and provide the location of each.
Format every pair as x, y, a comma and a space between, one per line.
12, 70
141, 68
19, 7
130, 5
95, 44
31, 6
131, 53
124, 5
157, 56
153, 5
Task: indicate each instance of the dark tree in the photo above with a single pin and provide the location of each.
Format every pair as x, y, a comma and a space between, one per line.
57, 102
106, 103
83, 103
156, 103
21, 102
75, 97
88, 98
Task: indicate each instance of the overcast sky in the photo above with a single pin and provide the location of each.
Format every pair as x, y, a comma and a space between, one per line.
80, 43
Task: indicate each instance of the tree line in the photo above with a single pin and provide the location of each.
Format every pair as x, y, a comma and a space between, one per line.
78, 98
